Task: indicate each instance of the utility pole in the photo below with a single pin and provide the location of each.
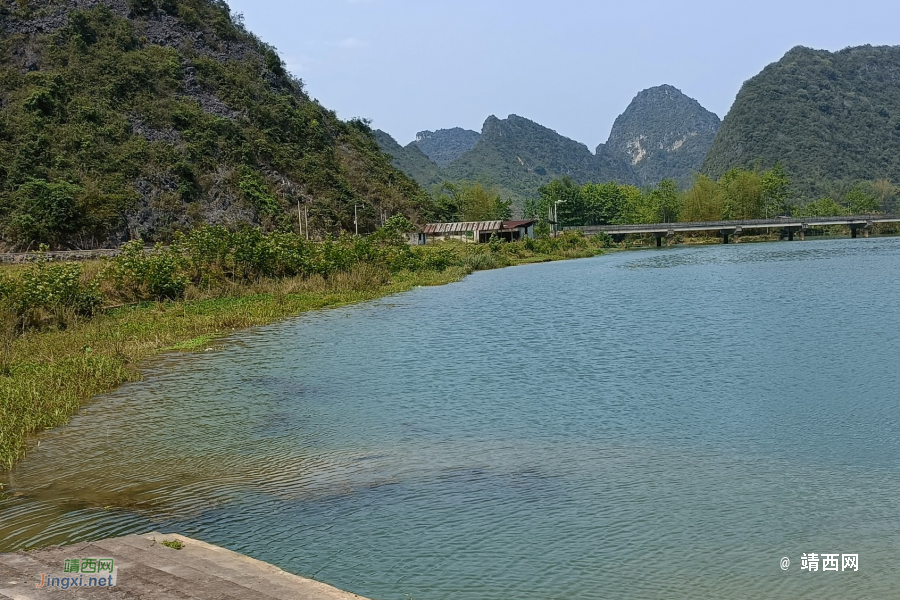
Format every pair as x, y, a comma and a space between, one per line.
355, 220
556, 216
299, 217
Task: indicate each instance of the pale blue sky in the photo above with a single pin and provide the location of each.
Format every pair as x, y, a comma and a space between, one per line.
570, 65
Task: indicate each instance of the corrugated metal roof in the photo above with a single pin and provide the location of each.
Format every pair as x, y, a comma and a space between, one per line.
459, 228
515, 224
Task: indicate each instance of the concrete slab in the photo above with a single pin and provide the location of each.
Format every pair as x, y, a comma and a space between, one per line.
148, 570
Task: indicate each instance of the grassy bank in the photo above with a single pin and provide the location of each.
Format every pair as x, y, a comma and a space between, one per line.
53, 358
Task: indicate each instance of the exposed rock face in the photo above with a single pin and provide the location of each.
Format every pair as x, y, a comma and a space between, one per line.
831, 118
156, 115
663, 134
446, 145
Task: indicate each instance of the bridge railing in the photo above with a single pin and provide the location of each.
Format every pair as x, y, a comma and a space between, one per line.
746, 223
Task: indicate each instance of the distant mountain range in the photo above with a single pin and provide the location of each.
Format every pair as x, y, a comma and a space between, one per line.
662, 134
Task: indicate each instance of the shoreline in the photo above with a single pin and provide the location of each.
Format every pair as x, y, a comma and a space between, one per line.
65, 369
54, 373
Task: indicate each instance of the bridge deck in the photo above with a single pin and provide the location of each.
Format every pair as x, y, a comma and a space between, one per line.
786, 222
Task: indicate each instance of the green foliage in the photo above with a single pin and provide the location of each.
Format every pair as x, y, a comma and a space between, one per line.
46, 292
113, 126
43, 212
776, 190
860, 201
470, 202
825, 207
605, 203
826, 116
666, 201
257, 194
155, 275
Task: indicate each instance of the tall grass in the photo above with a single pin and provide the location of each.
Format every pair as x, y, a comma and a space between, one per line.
70, 332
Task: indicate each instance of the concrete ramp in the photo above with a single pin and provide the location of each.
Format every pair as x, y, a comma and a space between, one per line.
148, 570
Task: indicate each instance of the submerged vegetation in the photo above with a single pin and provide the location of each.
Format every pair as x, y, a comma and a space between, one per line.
73, 330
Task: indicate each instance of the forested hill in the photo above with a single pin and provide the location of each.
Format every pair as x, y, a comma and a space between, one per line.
831, 118
663, 134
446, 145
125, 118
410, 160
519, 156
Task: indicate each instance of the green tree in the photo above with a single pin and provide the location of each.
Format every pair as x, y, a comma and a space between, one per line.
776, 191
825, 207
702, 202
565, 195
43, 212
604, 203
859, 202
742, 195
666, 201
886, 194
467, 201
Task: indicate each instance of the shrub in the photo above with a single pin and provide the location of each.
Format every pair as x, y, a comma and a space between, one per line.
43, 212
155, 275
44, 292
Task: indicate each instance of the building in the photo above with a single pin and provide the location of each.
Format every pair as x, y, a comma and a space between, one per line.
478, 232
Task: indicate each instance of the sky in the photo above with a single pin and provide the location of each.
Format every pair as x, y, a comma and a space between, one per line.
570, 65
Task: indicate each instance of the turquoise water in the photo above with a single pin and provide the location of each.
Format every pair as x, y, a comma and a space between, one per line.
657, 424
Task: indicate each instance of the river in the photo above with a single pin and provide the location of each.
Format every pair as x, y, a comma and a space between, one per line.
655, 424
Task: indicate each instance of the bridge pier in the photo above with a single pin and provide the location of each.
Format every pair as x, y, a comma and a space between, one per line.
792, 229
658, 240
670, 238
726, 233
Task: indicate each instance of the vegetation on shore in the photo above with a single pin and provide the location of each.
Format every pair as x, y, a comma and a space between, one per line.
738, 194
71, 331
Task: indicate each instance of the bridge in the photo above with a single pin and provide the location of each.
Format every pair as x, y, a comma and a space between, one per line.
790, 226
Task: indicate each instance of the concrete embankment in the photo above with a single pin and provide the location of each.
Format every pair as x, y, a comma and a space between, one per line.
145, 569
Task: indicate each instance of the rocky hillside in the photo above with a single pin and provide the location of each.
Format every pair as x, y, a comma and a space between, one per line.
663, 134
125, 118
829, 117
410, 160
519, 156
446, 145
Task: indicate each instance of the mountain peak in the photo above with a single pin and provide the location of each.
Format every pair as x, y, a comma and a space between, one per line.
446, 145
662, 134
